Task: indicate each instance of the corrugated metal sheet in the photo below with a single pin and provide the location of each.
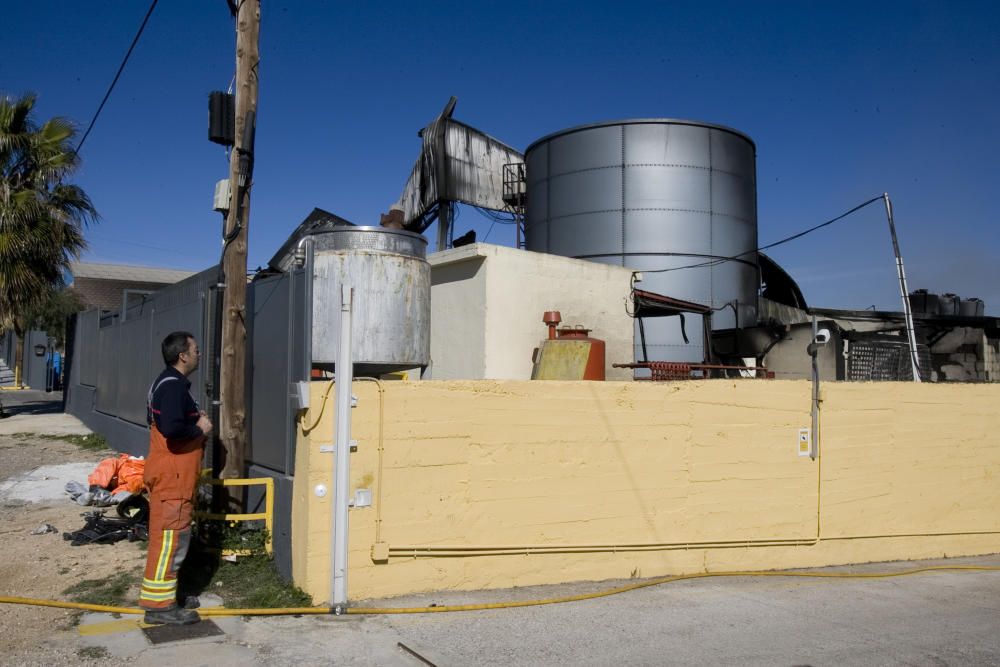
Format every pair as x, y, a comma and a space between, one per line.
121, 358
106, 399
86, 347
278, 347
657, 196
269, 419
137, 355
457, 163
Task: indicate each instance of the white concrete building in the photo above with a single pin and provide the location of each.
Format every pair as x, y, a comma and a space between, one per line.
487, 303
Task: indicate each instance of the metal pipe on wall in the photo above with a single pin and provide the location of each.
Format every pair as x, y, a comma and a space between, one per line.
342, 458
814, 411
911, 336
307, 320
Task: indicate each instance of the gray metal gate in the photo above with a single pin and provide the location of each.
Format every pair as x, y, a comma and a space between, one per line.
115, 357
279, 351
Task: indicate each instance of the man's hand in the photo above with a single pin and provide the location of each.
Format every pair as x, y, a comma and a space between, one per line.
204, 423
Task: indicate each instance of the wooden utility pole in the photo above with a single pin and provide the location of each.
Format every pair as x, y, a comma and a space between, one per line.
232, 372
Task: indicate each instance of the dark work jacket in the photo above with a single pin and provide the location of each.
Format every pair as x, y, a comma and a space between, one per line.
171, 408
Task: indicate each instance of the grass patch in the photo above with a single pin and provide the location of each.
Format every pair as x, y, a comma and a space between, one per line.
92, 442
110, 591
253, 582
241, 536
250, 582
93, 653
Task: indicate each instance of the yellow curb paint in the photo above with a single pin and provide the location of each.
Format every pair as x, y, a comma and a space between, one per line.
113, 627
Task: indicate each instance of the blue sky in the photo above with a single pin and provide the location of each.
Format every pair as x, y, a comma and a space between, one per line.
844, 101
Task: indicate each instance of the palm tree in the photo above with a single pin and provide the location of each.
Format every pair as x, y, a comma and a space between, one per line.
41, 216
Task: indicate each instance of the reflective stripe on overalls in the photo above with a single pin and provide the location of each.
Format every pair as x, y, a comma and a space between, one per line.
171, 475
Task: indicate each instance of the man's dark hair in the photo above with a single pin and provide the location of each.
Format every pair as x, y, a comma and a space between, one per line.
173, 345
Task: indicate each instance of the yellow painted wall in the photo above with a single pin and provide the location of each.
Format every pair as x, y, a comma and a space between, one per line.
644, 472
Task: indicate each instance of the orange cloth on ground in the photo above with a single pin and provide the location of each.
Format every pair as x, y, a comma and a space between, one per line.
105, 474
130, 475
121, 474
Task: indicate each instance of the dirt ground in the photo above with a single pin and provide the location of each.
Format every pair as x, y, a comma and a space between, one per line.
44, 566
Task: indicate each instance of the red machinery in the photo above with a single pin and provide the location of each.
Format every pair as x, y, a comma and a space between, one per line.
569, 353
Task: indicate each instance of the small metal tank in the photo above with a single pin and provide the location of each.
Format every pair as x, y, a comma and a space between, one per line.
971, 307
948, 304
391, 278
569, 353
924, 303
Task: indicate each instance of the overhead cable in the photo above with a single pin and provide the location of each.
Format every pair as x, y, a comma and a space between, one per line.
496, 216
721, 260
121, 68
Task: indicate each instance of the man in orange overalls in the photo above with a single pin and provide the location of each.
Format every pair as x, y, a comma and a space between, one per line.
177, 431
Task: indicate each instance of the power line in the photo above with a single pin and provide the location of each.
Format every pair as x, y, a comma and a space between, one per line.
496, 216
489, 231
721, 260
822, 224
118, 74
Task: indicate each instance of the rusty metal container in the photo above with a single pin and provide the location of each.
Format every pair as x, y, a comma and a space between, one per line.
569, 353
594, 370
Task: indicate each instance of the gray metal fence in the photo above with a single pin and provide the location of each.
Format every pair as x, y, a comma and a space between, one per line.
115, 357
35, 369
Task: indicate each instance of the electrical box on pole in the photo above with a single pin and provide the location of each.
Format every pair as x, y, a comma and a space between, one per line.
222, 118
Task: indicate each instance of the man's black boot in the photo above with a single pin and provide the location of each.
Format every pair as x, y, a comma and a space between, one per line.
171, 616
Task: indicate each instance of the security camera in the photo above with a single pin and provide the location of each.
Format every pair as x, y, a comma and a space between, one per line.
821, 338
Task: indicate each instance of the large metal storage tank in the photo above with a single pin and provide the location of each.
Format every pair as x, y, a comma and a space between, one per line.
391, 278
654, 194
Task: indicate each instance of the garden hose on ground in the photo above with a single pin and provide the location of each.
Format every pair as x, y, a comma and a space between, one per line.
298, 611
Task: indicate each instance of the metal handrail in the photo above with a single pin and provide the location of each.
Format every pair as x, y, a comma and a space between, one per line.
267, 515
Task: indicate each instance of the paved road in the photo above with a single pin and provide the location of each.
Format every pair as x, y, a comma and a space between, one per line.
31, 401
941, 618
31, 411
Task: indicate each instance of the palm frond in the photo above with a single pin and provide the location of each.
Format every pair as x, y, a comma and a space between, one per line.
42, 217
